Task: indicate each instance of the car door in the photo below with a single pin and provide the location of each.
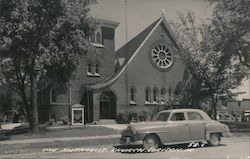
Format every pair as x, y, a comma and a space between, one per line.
164, 131
196, 126
179, 130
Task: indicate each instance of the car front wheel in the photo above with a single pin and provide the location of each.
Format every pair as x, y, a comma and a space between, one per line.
151, 142
214, 139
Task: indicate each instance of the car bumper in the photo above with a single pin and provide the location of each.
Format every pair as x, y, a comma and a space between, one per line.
226, 134
130, 141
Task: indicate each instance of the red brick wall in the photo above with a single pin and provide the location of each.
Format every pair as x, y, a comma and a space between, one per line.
106, 59
142, 74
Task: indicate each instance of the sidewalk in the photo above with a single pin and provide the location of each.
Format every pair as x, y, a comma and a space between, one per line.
42, 140
66, 134
114, 133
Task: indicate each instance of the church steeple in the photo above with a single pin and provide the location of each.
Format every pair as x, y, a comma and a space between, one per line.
162, 12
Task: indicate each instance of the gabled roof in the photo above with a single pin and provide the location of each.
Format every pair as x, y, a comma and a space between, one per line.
127, 50
130, 49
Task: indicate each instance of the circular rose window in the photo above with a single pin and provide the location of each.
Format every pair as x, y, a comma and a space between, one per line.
162, 57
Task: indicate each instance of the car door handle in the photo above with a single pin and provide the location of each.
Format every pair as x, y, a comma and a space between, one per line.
186, 124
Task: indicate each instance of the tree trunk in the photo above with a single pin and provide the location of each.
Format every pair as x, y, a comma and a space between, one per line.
215, 111
35, 123
214, 107
28, 111
27, 106
195, 103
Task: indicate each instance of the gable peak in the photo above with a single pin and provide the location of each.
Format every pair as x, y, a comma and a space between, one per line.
162, 12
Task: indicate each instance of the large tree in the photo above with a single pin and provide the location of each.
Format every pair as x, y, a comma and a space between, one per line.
216, 52
41, 39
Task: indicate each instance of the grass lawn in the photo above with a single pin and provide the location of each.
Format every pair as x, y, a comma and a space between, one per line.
74, 132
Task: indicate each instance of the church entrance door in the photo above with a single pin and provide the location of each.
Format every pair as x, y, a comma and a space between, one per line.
107, 105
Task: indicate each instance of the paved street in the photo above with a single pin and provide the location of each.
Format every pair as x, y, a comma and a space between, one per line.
234, 147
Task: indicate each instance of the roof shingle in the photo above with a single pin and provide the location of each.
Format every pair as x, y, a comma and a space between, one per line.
127, 50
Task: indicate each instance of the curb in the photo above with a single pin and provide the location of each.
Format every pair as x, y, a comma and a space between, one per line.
240, 130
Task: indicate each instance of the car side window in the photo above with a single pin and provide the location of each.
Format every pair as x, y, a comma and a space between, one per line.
194, 116
163, 116
177, 117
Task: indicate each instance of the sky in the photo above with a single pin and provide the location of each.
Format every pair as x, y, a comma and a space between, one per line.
135, 15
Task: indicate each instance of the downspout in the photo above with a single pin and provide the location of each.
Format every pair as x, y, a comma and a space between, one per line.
88, 105
126, 56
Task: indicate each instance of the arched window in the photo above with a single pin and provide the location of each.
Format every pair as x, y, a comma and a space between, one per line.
147, 95
97, 68
92, 37
155, 95
163, 92
98, 37
53, 95
104, 98
89, 68
59, 93
163, 95
132, 95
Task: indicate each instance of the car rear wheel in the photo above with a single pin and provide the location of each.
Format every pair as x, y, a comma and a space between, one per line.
214, 139
151, 142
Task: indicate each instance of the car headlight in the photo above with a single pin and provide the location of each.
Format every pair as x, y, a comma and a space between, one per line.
226, 127
129, 131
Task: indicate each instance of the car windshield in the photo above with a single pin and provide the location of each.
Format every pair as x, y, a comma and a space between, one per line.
162, 116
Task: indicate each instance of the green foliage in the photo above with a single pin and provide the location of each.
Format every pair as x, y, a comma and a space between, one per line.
5, 100
230, 29
185, 93
47, 35
44, 39
217, 53
132, 116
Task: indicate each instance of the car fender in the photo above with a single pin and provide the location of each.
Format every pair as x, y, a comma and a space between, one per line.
216, 127
141, 134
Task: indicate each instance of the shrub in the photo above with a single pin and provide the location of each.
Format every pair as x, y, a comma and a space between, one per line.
132, 116
64, 119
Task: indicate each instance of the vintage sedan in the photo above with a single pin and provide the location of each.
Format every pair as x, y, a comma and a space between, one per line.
176, 126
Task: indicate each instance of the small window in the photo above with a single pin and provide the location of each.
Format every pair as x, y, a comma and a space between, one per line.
147, 95
53, 95
89, 68
155, 94
194, 116
132, 95
98, 37
178, 117
97, 68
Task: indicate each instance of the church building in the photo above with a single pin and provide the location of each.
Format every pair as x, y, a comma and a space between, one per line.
108, 82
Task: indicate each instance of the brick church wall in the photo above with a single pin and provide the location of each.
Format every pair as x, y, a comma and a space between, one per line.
142, 74
105, 57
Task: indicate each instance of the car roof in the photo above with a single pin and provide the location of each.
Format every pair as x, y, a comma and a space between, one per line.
182, 110
188, 110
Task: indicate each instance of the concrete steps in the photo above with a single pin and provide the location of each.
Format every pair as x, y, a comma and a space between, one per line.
106, 122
